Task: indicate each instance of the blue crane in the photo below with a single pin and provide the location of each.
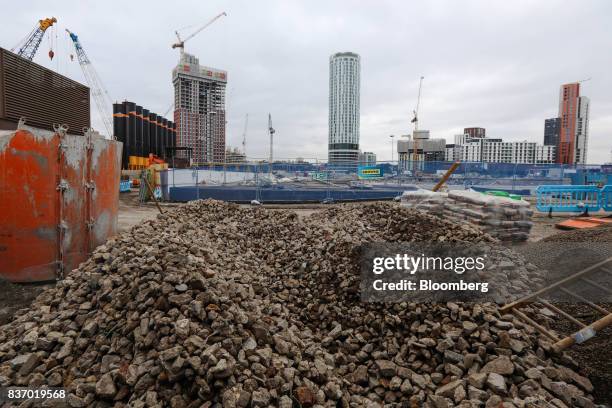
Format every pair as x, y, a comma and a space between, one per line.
98, 91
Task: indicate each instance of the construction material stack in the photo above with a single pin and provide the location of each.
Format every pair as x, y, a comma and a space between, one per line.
505, 218
502, 217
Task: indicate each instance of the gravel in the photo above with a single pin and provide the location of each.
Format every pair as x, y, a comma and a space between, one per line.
602, 233
212, 305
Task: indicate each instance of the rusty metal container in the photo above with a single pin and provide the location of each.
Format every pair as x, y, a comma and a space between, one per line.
59, 198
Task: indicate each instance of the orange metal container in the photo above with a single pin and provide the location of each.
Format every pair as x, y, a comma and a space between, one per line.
59, 198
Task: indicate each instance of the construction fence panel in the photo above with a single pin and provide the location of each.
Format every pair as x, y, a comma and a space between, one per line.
567, 198
606, 198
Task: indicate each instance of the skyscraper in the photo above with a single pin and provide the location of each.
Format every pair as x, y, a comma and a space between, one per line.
574, 125
199, 103
344, 84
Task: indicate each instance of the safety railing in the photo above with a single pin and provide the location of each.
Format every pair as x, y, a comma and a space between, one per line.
568, 198
606, 198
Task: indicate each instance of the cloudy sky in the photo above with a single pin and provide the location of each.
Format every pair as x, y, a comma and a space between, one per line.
494, 64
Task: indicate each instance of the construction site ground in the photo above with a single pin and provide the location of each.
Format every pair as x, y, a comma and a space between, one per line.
594, 357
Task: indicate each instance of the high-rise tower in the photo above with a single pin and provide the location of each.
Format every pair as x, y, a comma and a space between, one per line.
199, 103
574, 125
344, 79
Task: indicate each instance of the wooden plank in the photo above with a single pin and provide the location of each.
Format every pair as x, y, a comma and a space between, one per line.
591, 329
535, 324
562, 313
152, 194
597, 285
586, 301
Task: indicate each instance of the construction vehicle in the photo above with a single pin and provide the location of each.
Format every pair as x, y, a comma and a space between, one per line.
181, 43
99, 93
28, 47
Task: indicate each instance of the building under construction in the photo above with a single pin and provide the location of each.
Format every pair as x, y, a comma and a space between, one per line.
199, 100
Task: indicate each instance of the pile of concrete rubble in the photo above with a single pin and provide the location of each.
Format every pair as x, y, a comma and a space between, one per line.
213, 305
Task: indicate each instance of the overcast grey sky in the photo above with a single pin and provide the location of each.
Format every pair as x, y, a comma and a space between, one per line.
494, 64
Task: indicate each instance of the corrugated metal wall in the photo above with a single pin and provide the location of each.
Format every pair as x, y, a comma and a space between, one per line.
40, 95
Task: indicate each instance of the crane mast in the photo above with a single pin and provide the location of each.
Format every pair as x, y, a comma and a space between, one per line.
244, 134
415, 120
31, 44
271, 131
99, 93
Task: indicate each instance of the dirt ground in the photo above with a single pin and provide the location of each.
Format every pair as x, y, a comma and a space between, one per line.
543, 226
15, 297
131, 212
594, 357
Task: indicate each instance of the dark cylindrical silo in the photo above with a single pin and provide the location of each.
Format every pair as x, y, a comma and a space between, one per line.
139, 147
119, 130
164, 136
153, 133
130, 110
170, 132
145, 133
158, 136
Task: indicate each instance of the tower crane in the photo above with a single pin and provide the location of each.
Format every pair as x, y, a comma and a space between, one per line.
99, 93
181, 43
271, 131
415, 120
246, 124
31, 43
169, 109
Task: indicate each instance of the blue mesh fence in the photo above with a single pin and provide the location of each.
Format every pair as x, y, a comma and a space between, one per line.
320, 181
